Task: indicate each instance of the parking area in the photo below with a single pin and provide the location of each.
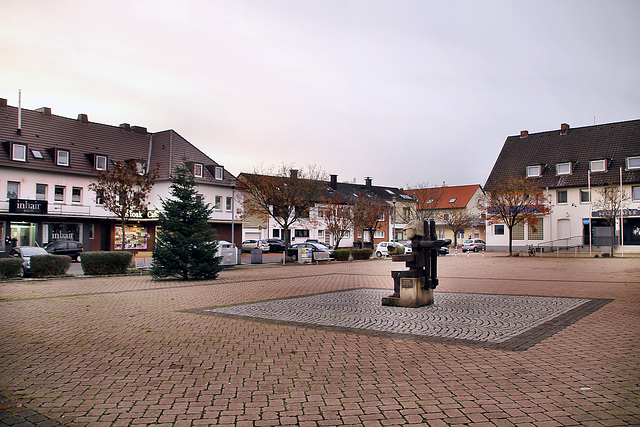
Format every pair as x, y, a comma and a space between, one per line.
132, 351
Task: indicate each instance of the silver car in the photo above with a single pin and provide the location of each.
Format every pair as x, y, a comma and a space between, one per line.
25, 253
475, 245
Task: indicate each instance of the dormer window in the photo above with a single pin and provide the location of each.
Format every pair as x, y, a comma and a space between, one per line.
62, 158
19, 152
197, 170
633, 162
101, 163
598, 165
534, 171
563, 168
219, 173
140, 168
453, 200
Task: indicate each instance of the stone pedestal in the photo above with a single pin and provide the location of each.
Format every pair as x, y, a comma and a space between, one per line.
412, 294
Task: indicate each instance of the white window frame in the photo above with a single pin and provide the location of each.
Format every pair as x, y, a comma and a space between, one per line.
452, 200
379, 234
55, 193
63, 157
99, 161
218, 203
73, 200
635, 191
567, 171
593, 165
197, 170
534, 171
633, 162
495, 230
42, 196
229, 204
219, 173
14, 156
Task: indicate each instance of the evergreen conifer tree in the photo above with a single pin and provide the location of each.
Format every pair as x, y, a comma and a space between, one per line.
185, 244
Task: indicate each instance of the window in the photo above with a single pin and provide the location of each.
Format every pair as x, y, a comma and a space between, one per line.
140, 168
301, 233
563, 168
539, 233
518, 232
199, 198
347, 235
229, 203
534, 171
101, 163
429, 201
446, 217
19, 152
218, 203
197, 170
584, 196
62, 158
598, 165
379, 234
219, 172
453, 200
76, 195
633, 162
320, 233
58, 193
13, 190
99, 197
276, 233
498, 230
562, 197
635, 194
41, 191
37, 154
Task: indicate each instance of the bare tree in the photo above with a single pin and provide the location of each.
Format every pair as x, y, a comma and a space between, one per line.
369, 213
514, 201
457, 220
609, 204
282, 193
427, 199
124, 189
338, 218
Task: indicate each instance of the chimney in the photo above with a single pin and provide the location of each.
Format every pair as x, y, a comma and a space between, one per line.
83, 118
45, 111
334, 181
524, 133
367, 181
139, 129
564, 129
294, 173
125, 126
3, 102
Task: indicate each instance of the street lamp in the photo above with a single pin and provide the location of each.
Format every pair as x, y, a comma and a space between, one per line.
393, 236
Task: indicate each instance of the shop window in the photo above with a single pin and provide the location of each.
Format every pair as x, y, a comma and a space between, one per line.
58, 193
135, 237
41, 191
13, 190
584, 196
562, 197
498, 229
76, 195
19, 152
62, 158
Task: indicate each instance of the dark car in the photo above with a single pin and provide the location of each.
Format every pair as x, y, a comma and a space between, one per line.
65, 247
25, 253
315, 247
275, 245
443, 250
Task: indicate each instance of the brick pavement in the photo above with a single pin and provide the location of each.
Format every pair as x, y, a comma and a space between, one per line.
130, 351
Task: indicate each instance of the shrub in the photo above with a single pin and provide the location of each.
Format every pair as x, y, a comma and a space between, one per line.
361, 253
101, 263
10, 267
596, 256
49, 265
606, 255
341, 254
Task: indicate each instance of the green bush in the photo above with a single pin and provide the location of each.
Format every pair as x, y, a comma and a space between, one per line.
102, 263
10, 267
341, 254
361, 253
49, 265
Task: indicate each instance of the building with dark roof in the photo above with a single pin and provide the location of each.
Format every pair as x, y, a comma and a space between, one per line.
572, 164
48, 161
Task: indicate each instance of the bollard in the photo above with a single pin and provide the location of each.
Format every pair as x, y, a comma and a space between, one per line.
483, 252
456, 252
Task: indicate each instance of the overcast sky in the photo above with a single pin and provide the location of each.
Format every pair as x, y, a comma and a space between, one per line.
407, 92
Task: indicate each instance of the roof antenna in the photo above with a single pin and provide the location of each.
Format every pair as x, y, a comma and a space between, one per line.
594, 120
19, 130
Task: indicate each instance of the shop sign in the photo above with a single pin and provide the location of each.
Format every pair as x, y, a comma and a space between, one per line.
144, 214
24, 206
606, 213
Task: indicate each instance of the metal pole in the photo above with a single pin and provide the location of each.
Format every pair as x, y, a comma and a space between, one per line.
590, 213
621, 218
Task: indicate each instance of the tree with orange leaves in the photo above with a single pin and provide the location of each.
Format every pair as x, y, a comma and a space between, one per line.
515, 201
338, 218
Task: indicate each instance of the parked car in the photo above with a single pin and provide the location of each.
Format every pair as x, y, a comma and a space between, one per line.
382, 249
474, 245
251, 244
315, 247
275, 245
25, 253
65, 247
443, 250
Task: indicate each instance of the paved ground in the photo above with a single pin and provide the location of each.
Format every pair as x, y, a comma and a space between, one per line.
130, 351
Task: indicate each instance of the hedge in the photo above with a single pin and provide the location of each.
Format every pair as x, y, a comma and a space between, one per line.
10, 267
341, 254
49, 265
102, 263
361, 253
